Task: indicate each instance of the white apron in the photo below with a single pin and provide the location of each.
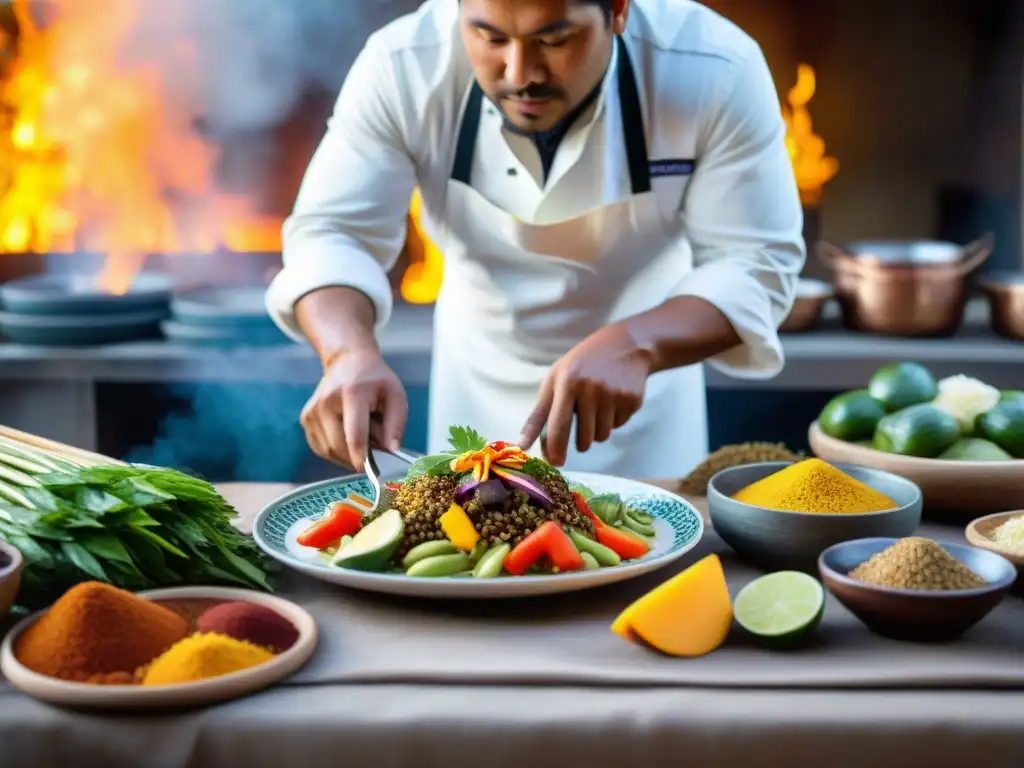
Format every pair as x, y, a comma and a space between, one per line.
516, 297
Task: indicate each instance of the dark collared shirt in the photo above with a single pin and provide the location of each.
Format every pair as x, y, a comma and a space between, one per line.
547, 142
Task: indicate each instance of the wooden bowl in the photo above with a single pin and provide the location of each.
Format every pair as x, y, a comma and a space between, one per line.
978, 486
10, 576
204, 692
910, 614
978, 534
780, 540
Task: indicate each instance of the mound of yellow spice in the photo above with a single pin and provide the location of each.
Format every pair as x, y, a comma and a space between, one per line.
202, 656
814, 486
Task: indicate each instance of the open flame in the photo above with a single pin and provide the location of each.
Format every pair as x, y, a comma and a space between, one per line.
813, 168
101, 155
98, 153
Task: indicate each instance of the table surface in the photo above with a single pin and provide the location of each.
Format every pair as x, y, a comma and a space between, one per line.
406, 724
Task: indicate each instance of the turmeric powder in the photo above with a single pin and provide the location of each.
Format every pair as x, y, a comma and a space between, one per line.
202, 656
814, 486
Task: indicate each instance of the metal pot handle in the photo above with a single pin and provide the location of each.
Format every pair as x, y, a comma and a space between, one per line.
975, 254
836, 259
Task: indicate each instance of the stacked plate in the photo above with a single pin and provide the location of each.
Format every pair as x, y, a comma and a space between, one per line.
224, 316
70, 310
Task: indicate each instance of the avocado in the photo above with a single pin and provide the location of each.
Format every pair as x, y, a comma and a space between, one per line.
901, 385
376, 543
975, 449
921, 430
851, 416
1004, 426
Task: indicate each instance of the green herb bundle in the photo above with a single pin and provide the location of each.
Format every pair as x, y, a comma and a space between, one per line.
131, 526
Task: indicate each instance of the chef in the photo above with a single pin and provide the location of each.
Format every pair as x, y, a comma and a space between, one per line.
609, 183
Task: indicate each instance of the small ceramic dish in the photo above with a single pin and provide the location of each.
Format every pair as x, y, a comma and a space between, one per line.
10, 576
808, 306
979, 534
204, 692
780, 540
910, 614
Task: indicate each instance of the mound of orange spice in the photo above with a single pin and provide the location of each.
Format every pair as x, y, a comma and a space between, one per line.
102, 635
97, 633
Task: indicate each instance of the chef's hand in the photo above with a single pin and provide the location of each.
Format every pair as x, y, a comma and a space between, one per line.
600, 382
338, 417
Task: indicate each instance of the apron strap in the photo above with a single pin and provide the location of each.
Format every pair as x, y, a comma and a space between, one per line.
632, 128
465, 150
633, 123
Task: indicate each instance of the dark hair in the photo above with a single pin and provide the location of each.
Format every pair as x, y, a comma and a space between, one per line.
604, 5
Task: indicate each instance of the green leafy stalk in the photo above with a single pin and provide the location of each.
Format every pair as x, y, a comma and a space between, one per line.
134, 527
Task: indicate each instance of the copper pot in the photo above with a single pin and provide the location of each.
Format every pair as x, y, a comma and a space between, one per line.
1006, 303
914, 288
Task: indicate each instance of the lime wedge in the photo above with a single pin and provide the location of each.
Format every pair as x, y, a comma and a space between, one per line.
781, 608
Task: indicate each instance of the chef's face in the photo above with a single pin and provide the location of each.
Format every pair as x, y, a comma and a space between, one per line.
537, 59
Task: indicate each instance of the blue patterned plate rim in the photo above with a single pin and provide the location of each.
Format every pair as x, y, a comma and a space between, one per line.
670, 508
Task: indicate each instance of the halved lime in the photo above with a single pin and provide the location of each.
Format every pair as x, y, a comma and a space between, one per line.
781, 608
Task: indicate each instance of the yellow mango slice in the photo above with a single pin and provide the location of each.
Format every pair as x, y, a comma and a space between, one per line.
459, 528
689, 615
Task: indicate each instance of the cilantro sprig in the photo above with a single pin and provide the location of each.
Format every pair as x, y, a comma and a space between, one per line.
464, 440
460, 440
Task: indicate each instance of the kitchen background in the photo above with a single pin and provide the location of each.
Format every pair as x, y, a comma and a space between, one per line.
144, 141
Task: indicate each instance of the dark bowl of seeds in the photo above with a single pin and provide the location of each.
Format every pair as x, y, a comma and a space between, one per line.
10, 576
914, 588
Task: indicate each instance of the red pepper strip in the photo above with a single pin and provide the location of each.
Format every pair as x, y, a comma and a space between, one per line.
584, 508
342, 519
548, 540
622, 544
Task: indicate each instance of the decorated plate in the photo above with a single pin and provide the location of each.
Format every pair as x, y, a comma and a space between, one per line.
678, 528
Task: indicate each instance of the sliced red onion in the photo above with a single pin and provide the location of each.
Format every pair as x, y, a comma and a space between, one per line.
490, 493
520, 481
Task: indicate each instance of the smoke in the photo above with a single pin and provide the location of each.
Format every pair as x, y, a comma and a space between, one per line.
232, 431
252, 60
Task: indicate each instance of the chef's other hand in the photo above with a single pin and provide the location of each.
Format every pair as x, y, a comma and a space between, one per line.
338, 417
600, 382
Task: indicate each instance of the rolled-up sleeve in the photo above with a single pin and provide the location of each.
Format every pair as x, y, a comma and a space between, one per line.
743, 221
349, 221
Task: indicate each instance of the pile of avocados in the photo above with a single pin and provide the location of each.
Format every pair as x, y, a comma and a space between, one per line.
895, 414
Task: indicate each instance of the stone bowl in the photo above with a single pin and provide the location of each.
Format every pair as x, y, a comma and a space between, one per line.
11, 563
779, 540
910, 614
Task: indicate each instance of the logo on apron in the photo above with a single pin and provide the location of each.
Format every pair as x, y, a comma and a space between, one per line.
671, 168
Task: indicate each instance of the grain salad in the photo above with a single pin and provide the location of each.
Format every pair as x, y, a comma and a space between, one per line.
482, 509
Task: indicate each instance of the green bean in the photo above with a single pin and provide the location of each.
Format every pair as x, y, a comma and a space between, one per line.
439, 565
641, 517
589, 561
492, 563
428, 549
636, 527
479, 551
602, 554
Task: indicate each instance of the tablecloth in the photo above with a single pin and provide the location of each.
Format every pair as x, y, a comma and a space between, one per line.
559, 705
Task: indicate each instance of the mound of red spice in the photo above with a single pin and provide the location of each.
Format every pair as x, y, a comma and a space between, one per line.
252, 623
96, 632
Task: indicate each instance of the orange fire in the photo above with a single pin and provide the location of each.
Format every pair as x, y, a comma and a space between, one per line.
813, 168
97, 149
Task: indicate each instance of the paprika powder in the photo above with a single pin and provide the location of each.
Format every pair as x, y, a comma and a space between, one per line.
95, 631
